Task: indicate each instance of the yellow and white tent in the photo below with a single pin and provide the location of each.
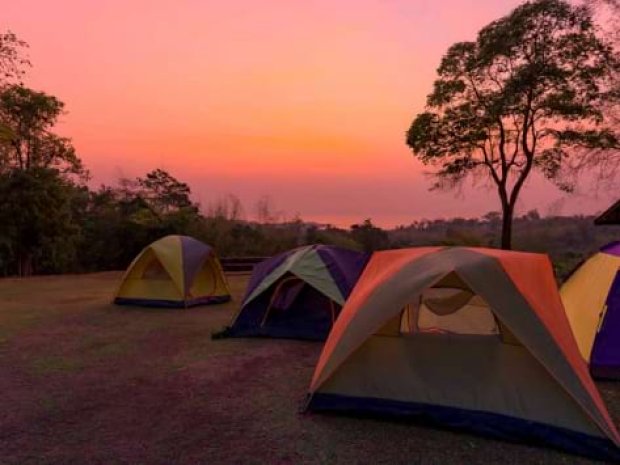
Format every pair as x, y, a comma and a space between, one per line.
470, 338
175, 271
591, 297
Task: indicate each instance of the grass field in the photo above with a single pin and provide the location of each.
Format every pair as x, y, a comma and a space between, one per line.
86, 382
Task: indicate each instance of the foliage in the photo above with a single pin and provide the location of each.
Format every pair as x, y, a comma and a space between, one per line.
28, 117
369, 236
525, 96
566, 239
332, 236
228, 207
13, 60
37, 184
164, 193
37, 218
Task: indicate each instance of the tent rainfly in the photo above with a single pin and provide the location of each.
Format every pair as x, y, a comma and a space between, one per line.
175, 271
468, 338
591, 297
298, 294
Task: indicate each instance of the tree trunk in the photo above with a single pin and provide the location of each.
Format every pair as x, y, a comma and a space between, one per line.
24, 264
507, 212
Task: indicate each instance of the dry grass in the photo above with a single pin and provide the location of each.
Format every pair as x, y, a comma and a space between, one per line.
85, 382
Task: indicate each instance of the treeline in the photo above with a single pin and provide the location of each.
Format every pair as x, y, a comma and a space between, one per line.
51, 221
568, 240
59, 225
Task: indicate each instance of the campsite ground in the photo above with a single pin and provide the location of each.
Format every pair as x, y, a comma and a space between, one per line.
85, 382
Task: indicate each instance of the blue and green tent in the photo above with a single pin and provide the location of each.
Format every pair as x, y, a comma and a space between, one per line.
298, 294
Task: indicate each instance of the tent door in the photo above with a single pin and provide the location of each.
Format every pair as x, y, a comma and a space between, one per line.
154, 271
205, 282
298, 307
283, 296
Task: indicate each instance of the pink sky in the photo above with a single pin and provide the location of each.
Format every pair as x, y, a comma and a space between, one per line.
306, 102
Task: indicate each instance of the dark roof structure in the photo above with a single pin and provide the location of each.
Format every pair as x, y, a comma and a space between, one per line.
609, 216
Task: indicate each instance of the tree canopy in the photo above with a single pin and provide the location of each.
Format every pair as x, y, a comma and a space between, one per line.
526, 96
35, 211
164, 192
13, 60
29, 117
13, 64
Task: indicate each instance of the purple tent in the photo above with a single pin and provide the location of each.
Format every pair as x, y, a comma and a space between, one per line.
298, 294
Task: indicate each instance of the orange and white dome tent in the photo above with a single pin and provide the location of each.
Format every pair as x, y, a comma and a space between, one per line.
473, 339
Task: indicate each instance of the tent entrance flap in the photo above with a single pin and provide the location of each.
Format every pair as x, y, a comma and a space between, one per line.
206, 281
297, 306
284, 295
456, 312
446, 310
154, 270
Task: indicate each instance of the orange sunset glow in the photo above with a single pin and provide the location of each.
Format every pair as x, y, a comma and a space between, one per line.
304, 102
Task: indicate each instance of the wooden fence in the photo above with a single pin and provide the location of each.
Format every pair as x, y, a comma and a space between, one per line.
240, 264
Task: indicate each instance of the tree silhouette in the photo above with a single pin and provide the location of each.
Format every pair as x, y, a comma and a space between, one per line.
527, 95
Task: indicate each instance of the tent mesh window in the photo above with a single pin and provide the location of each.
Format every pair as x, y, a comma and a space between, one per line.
155, 271
448, 311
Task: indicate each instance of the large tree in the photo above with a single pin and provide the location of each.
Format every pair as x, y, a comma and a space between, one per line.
526, 95
39, 177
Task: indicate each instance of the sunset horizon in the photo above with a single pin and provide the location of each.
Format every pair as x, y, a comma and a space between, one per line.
307, 104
